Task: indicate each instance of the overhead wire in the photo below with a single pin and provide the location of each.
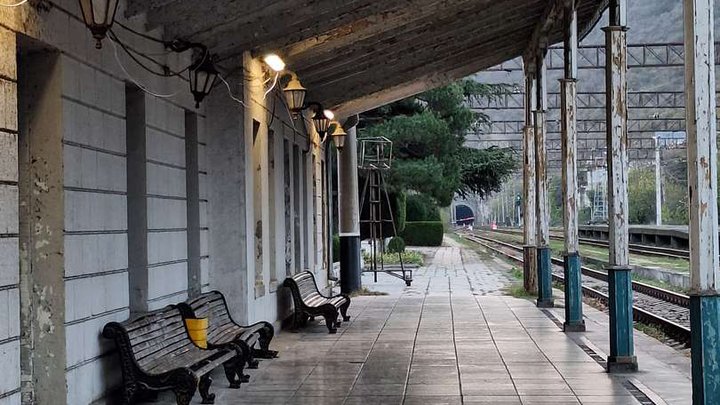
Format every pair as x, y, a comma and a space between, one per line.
132, 79
141, 34
135, 54
277, 74
237, 100
131, 52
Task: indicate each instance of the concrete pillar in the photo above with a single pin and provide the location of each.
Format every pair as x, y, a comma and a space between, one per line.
622, 356
349, 214
544, 265
192, 188
9, 241
227, 162
136, 141
568, 95
702, 180
256, 133
529, 194
41, 230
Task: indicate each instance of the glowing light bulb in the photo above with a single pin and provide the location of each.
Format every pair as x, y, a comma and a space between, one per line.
275, 62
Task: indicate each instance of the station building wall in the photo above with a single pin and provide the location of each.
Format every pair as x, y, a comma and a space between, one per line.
114, 201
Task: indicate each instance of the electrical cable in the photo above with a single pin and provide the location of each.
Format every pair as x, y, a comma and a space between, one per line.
146, 36
242, 103
277, 74
131, 51
132, 79
14, 5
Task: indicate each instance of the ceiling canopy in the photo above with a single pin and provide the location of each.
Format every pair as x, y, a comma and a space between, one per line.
355, 55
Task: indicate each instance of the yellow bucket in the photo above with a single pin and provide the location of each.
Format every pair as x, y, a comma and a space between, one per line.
197, 329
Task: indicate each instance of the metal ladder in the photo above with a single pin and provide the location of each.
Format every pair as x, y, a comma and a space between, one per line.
377, 199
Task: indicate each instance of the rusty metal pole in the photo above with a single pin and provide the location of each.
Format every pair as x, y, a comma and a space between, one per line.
529, 195
568, 95
622, 353
544, 265
702, 181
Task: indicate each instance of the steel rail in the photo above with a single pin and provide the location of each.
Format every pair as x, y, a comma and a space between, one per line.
645, 250
673, 329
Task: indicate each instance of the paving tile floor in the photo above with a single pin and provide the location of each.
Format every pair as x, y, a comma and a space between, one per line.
453, 337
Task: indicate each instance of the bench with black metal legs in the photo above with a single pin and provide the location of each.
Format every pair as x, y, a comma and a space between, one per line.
156, 354
310, 302
253, 339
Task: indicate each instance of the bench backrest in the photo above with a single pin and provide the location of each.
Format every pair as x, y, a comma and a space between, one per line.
303, 284
211, 305
157, 335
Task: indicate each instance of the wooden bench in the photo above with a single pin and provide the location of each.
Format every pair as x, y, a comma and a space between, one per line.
156, 354
253, 339
309, 302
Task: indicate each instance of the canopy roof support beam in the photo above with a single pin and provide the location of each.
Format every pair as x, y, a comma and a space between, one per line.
529, 192
702, 182
544, 265
568, 93
622, 355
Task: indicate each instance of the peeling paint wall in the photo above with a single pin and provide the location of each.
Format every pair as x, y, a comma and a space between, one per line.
9, 248
85, 251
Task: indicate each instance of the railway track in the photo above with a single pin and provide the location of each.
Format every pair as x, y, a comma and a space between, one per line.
645, 250
664, 309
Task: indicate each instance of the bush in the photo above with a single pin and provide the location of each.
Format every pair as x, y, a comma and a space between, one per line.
420, 207
396, 245
400, 212
336, 248
423, 233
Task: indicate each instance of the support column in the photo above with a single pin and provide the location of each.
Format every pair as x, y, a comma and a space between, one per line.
349, 214
529, 194
658, 184
544, 265
622, 354
568, 95
702, 182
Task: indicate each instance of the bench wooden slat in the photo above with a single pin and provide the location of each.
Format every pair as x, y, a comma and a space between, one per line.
222, 330
157, 353
309, 301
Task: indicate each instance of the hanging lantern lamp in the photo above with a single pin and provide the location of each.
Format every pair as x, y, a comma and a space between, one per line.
203, 75
295, 95
321, 119
338, 135
98, 16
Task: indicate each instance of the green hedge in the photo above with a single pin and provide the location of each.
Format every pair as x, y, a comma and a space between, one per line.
420, 207
425, 233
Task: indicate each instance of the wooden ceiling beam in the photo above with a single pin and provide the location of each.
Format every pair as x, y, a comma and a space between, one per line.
450, 18
470, 60
370, 26
417, 81
540, 38
281, 25
424, 46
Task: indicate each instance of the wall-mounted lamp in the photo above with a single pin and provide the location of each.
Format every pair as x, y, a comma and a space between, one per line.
295, 95
338, 135
99, 16
321, 119
275, 62
203, 75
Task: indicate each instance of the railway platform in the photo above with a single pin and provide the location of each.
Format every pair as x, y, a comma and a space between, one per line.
456, 337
